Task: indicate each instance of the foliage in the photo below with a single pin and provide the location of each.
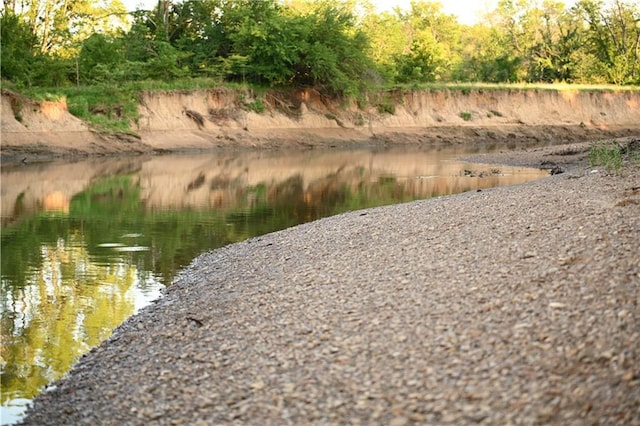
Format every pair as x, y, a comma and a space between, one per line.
337, 47
256, 106
607, 155
466, 116
612, 39
60, 26
433, 39
19, 59
611, 155
105, 107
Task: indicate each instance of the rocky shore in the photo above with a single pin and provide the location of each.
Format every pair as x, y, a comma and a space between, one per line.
515, 305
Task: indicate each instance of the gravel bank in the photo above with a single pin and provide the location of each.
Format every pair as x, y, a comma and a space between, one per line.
511, 305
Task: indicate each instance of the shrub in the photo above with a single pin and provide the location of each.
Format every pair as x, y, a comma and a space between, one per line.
256, 106
386, 107
608, 156
466, 116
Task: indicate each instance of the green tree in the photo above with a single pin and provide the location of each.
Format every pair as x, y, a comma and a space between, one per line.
60, 25
101, 60
433, 43
148, 54
316, 44
513, 35
334, 58
388, 41
613, 40
558, 36
198, 29
18, 49
270, 41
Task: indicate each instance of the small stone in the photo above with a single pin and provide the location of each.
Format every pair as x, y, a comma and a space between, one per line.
258, 385
399, 421
605, 356
629, 376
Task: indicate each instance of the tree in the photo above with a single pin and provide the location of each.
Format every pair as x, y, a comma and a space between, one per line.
100, 60
387, 41
270, 41
334, 57
61, 25
613, 38
148, 54
558, 36
18, 49
198, 29
432, 49
314, 44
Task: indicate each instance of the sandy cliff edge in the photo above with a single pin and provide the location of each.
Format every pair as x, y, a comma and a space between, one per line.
213, 118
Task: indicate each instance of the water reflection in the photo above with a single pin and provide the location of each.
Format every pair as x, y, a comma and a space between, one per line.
86, 244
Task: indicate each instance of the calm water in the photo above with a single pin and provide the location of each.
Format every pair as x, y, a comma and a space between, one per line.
87, 244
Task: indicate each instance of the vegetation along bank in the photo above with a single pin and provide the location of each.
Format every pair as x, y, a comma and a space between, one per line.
219, 117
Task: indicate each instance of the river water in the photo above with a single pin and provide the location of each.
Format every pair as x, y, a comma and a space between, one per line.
86, 244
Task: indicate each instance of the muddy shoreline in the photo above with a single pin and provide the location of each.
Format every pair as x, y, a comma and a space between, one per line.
510, 305
522, 137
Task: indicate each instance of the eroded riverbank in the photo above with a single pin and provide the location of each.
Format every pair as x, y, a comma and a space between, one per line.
514, 304
214, 118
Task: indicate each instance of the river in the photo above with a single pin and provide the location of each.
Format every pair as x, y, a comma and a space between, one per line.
86, 244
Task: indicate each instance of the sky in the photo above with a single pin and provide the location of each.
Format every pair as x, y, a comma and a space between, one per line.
468, 11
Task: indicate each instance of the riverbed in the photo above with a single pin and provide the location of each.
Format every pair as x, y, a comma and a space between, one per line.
515, 304
88, 243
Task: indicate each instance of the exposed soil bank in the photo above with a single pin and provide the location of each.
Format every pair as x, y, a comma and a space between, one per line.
514, 305
214, 118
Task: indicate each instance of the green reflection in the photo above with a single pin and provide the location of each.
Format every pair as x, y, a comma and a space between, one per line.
64, 292
62, 309
68, 276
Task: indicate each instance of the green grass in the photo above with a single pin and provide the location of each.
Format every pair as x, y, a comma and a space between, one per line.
612, 156
256, 106
466, 88
107, 109
113, 109
466, 116
386, 107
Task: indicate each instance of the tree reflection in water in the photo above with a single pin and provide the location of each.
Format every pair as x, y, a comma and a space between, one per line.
85, 244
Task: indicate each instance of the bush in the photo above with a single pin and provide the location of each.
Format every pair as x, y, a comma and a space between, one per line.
466, 116
608, 156
386, 107
256, 106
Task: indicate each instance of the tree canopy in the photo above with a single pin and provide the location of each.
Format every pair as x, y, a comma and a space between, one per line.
336, 46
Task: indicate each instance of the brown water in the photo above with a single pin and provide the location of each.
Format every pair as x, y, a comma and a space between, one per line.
87, 244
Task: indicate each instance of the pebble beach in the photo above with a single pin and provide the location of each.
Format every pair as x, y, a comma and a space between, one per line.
512, 305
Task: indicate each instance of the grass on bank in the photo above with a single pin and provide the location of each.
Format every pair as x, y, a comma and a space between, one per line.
114, 108
466, 88
611, 155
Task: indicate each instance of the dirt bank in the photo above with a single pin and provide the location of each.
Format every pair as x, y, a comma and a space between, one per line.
514, 305
214, 118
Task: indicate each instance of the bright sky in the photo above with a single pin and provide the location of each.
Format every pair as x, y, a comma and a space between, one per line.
467, 11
